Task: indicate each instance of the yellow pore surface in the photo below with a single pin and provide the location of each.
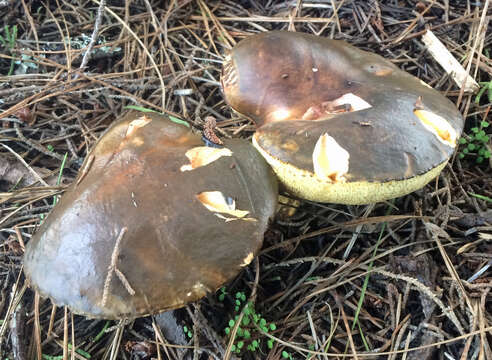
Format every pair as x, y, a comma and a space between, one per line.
307, 185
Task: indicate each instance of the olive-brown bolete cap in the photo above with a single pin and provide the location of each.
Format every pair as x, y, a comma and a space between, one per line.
154, 220
336, 123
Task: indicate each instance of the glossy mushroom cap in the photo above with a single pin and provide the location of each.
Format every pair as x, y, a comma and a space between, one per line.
336, 123
154, 221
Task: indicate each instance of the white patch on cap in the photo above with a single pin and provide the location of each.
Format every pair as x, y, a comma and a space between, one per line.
215, 201
438, 125
279, 115
136, 124
330, 160
247, 260
203, 155
356, 103
200, 289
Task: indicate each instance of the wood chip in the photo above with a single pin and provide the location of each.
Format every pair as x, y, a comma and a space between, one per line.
442, 55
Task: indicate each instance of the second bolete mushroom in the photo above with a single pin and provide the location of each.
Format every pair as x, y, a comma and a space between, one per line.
336, 123
154, 220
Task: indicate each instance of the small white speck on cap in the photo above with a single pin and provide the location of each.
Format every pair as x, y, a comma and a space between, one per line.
247, 260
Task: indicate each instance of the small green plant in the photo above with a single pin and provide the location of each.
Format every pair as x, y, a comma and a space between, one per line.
187, 332
172, 118
9, 42
476, 143
481, 197
101, 333
82, 354
222, 294
9, 39
58, 180
485, 86
247, 335
286, 355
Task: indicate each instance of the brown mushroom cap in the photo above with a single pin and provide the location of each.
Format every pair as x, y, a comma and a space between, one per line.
155, 220
336, 123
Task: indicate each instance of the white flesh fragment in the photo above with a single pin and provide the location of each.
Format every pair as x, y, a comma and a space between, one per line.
439, 126
215, 201
203, 155
356, 103
330, 160
136, 124
247, 260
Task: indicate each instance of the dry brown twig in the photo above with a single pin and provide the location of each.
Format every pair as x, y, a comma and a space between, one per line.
97, 24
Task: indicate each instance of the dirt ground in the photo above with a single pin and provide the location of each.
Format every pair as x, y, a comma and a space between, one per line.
403, 279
